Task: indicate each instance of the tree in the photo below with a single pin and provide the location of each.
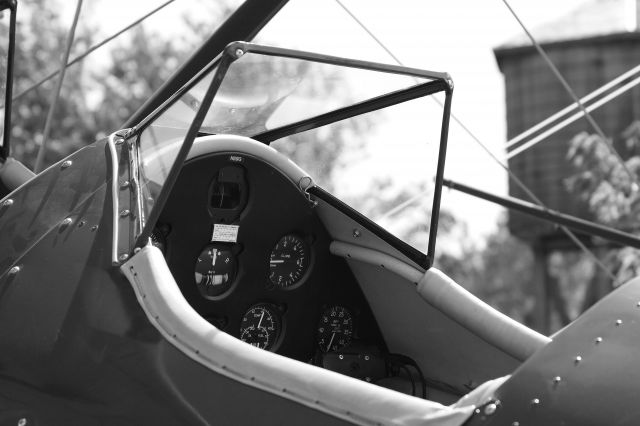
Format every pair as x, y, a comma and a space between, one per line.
612, 194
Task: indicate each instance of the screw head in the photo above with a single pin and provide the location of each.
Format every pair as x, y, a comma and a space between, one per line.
22, 422
356, 233
7, 203
66, 222
598, 340
66, 164
618, 322
124, 213
489, 409
14, 270
123, 257
535, 402
119, 141
340, 356
124, 184
577, 359
557, 380
239, 52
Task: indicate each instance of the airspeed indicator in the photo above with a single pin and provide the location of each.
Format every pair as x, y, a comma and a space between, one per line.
289, 261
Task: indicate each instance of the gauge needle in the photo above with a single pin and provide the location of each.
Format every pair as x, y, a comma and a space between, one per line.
260, 322
331, 341
276, 261
213, 258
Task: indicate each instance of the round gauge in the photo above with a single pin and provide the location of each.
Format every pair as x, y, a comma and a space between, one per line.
335, 329
215, 270
289, 261
260, 326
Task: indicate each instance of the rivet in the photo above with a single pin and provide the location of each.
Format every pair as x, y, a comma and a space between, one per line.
124, 184
340, 356
356, 233
124, 213
136, 250
119, 141
94, 228
619, 322
366, 357
489, 409
638, 304
515, 424
14, 270
598, 340
123, 257
68, 221
7, 203
367, 379
578, 359
239, 52
22, 422
81, 223
557, 380
477, 411
66, 164
535, 402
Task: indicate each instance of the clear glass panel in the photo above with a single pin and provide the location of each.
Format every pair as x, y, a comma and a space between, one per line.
382, 164
258, 93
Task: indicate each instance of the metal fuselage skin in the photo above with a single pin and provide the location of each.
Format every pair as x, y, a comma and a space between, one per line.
75, 345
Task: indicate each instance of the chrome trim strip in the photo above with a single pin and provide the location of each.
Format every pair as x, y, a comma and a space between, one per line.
114, 197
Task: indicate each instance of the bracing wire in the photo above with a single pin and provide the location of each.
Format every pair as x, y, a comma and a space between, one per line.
56, 92
510, 173
571, 107
92, 49
564, 123
573, 95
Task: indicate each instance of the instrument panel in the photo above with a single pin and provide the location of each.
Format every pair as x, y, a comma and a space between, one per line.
252, 257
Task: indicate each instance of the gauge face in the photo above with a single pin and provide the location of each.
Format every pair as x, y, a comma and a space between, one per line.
260, 326
215, 270
335, 329
289, 261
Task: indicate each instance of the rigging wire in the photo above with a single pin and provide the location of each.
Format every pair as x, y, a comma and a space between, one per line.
572, 93
92, 49
56, 92
573, 118
510, 173
571, 107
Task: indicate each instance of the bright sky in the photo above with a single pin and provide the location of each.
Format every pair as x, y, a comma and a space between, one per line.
456, 36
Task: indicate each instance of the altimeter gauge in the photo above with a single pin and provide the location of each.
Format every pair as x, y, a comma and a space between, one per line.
335, 329
260, 326
289, 261
215, 270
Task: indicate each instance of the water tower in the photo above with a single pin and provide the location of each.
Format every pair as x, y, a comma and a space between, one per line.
590, 47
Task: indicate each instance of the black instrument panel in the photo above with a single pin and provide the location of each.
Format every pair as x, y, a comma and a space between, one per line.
267, 277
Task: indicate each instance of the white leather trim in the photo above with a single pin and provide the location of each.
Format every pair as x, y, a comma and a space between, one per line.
450, 298
341, 396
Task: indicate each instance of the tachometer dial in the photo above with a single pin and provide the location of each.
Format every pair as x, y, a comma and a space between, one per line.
335, 329
215, 270
260, 326
289, 261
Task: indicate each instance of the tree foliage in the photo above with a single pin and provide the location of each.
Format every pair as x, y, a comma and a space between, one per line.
612, 194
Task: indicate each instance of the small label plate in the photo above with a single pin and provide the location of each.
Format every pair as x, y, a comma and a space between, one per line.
225, 233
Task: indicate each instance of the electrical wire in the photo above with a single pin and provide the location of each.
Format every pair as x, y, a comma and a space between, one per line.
573, 95
510, 173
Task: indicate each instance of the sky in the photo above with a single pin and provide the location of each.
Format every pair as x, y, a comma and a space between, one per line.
456, 36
